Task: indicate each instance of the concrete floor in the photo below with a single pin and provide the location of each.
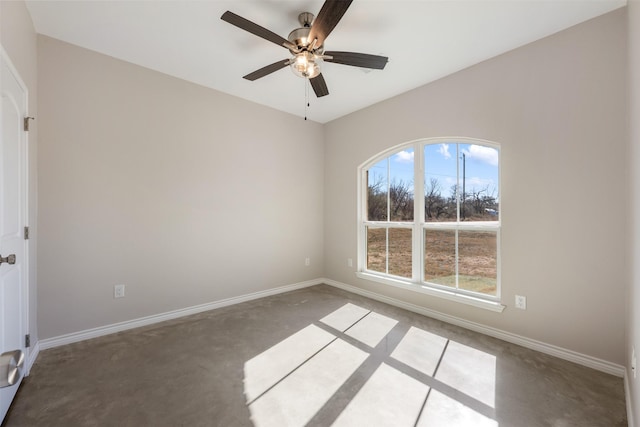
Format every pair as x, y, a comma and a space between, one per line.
317, 356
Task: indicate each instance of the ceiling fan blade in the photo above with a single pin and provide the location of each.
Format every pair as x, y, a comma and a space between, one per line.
355, 59
330, 14
255, 29
319, 86
267, 70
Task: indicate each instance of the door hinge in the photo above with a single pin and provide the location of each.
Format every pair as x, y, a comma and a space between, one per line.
27, 340
26, 123
26, 233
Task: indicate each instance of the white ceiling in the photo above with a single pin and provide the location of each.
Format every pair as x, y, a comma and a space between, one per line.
424, 40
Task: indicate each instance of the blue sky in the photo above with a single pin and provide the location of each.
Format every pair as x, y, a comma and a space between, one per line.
481, 166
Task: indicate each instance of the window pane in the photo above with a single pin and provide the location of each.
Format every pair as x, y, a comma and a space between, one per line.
477, 263
400, 252
459, 188
440, 257
440, 179
401, 186
377, 249
377, 186
479, 178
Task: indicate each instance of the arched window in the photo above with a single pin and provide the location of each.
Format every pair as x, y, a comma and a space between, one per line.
430, 219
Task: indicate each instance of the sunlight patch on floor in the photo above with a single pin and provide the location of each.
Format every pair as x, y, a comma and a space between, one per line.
442, 411
421, 350
344, 317
424, 380
296, 399
265, 370
372, 329
471, 371
389, 398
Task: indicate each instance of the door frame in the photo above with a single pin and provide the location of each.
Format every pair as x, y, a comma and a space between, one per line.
29, 351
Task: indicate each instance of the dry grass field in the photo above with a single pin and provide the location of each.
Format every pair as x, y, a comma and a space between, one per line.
477, 257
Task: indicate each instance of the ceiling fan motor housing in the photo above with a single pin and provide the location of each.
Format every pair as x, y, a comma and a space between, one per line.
300, 36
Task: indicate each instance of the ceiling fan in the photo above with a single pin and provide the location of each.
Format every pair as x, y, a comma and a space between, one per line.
306, 45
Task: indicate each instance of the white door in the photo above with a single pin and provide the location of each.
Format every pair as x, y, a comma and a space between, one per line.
13, 216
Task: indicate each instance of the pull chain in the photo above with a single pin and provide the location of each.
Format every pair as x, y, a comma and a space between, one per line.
306, 97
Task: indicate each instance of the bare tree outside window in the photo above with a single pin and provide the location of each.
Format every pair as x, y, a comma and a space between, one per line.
461, 202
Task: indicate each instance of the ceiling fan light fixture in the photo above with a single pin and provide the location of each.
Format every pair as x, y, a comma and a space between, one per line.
304, 65
300, 37
306, 45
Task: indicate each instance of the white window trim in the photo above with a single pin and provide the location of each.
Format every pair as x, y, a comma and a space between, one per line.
416, 284
432, 291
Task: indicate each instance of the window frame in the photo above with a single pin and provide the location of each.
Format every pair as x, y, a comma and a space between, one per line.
419, 225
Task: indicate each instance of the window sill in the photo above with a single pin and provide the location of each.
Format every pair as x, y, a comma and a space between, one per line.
451, 296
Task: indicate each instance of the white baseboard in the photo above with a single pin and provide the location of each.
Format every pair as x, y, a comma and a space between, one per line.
156, 318
572, 356
562, 353
627, 393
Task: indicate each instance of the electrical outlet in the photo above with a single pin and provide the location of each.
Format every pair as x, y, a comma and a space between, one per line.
521, 302
118, 291
349, 262
307, 262
634, 369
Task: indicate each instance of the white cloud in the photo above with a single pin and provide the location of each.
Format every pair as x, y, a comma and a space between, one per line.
444, 150
484, 154
475, 182
404, 157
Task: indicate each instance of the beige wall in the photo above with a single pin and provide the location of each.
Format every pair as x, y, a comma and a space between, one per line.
557, 108
182, 193
18, 38
633, 319
169, 187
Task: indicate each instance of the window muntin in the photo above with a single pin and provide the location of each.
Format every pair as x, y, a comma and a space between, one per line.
389, 250
454, 243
